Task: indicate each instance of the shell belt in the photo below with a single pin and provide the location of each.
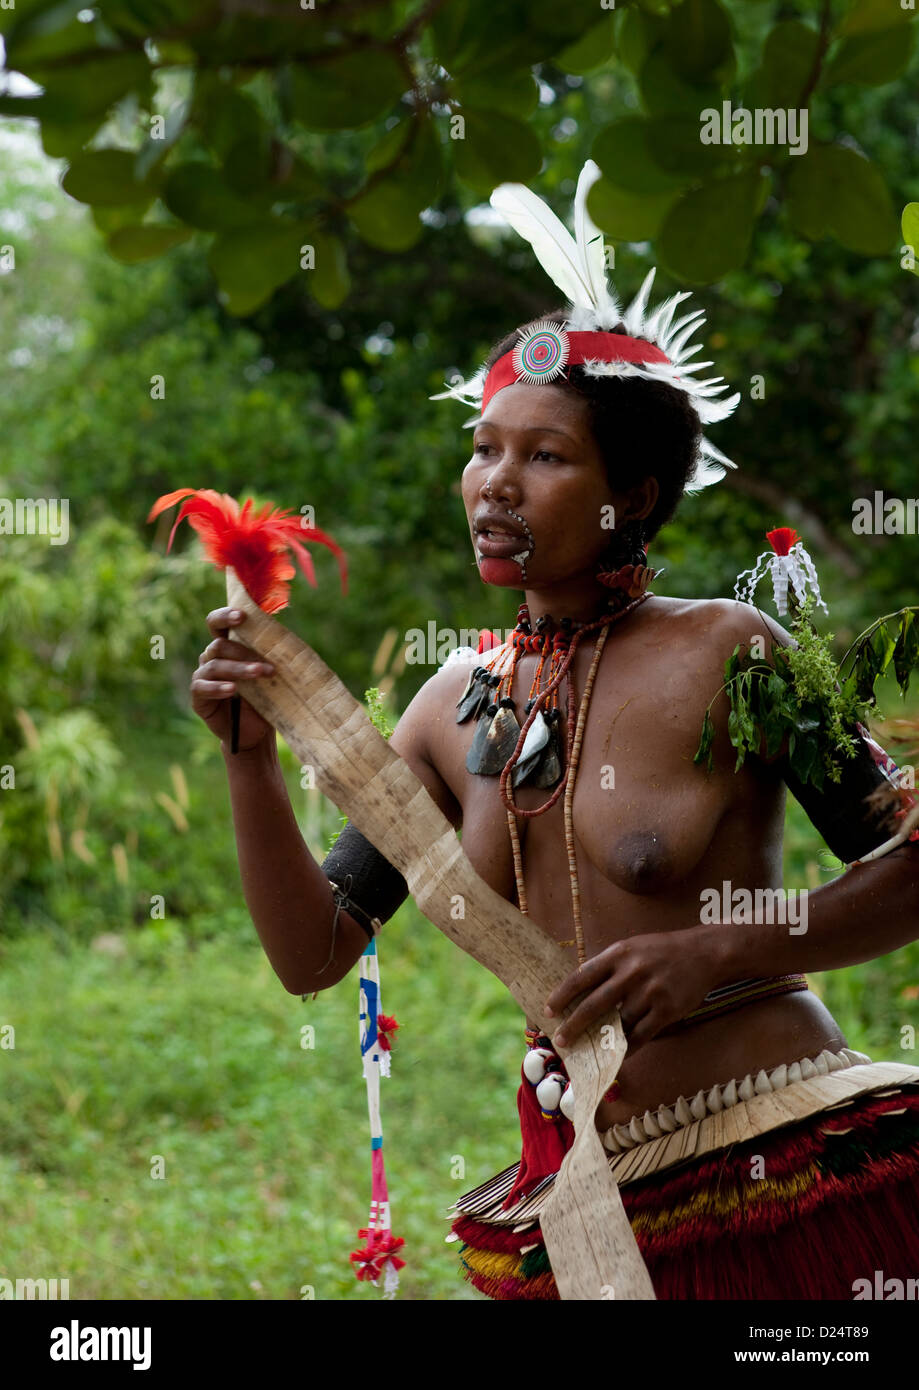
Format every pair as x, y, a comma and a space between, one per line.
669, 1118
828, 1091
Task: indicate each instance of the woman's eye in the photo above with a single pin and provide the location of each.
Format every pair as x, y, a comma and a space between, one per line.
544, 453
480, 448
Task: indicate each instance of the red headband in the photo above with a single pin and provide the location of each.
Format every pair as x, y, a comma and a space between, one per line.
582, 347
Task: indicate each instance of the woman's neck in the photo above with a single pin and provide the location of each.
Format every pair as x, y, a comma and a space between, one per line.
580, 603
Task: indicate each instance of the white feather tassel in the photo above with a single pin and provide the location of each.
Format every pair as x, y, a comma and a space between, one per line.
634, 316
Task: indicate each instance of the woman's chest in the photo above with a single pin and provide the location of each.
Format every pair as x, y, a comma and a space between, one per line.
637, 814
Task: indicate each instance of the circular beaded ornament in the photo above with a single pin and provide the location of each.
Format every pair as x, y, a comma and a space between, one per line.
542, 353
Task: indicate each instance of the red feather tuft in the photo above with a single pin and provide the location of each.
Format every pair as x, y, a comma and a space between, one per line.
386, 1025
782, 539
254, 543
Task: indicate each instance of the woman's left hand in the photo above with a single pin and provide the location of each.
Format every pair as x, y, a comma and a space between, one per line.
654, 981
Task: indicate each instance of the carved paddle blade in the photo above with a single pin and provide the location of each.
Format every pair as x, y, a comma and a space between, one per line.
588, 1237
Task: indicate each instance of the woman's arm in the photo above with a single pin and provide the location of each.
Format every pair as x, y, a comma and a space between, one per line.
290, 900
869, 911
289, 896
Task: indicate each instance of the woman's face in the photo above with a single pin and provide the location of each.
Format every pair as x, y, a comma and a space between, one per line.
546, 478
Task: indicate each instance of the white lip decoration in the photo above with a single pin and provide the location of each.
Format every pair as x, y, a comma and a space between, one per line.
497, 533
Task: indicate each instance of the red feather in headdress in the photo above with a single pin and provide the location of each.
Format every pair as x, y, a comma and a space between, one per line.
254, 543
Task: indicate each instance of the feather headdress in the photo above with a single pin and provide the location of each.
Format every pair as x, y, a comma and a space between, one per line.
576, 265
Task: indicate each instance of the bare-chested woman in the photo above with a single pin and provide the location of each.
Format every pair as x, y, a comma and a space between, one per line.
585, 417
646, 850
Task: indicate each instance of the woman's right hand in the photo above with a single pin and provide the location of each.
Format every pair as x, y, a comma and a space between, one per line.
221, 664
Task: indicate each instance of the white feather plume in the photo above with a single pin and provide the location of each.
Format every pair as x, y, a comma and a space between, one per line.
576, 266
590, 247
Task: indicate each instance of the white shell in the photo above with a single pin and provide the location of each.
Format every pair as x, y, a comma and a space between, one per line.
622, 1134
549, 1091
534, 1064
537, 735
636, 1129
652, 1128
566, 1103
697, 1106
681, 1112
663, 1121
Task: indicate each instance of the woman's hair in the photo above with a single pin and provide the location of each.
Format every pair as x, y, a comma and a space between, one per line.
643, 428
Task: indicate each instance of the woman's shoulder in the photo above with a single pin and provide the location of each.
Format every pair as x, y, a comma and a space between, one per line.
718, 623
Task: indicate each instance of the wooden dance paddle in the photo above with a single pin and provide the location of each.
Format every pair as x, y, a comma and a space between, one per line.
588, 1237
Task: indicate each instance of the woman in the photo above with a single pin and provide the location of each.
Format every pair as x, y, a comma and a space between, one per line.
557, 455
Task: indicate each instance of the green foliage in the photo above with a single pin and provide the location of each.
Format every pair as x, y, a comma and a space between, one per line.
802, 696
891, 638
910, 227
377, 712
834, 190
181, 137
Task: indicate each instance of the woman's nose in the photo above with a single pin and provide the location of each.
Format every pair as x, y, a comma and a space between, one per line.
500, 483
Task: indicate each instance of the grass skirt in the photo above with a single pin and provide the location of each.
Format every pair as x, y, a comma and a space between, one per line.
801, 1212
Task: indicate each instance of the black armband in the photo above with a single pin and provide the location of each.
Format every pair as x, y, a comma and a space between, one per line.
376, 887
853, 815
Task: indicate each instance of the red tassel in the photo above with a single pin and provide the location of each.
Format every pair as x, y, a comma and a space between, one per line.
380, 1246
545, 1143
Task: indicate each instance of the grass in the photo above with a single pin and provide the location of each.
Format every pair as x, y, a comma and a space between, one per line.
191, 1056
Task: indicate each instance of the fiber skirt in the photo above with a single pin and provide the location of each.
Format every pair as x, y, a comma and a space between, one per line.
827, 1208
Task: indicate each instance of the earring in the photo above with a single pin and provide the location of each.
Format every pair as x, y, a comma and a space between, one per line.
624, 563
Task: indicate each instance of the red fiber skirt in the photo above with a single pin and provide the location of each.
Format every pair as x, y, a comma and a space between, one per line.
802, 1212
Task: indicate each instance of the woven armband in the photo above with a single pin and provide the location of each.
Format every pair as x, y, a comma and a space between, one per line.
376, 888
855, 814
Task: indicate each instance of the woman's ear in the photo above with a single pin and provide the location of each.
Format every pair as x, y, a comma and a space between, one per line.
642, 500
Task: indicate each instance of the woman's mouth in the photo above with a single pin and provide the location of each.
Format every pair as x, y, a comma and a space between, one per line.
502, 544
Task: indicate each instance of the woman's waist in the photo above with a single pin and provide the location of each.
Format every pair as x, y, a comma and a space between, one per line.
761, 1037
679, 1065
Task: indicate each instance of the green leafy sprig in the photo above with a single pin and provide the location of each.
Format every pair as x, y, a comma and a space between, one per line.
377, 713
804, 697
